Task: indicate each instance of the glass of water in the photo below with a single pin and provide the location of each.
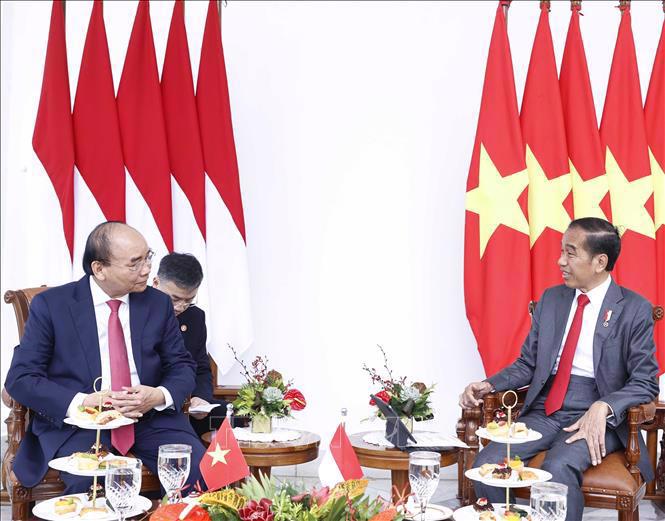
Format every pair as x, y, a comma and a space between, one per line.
122, 485
424, 476
173, 464
549, 501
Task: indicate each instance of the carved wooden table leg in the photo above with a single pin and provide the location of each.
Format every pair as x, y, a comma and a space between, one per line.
400, 484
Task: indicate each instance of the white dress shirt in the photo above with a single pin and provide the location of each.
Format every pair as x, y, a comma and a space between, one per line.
583, 360
102, 314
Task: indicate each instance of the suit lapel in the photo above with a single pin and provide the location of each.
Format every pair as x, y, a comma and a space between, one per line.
83, 315
138, 314
561, 314
612, 301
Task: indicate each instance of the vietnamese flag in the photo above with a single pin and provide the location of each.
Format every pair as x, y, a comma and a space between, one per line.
223, 462
497, 277
544, 134
654, 115
623, 135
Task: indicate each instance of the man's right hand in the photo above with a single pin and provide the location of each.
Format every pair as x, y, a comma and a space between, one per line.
473, 394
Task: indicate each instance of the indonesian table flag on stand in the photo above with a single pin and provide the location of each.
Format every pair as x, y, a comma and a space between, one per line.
340, 463
223, 463
654, 115
623, 135
497, 276
144, 139
184, 144
591, 196
53, 137
544, 134
228, 282
100, 188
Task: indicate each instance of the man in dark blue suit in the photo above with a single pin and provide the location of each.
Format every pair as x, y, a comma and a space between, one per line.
180, 276
588, 358
108, 324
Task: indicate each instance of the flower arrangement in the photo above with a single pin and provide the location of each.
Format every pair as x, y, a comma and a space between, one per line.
265, 395
265, 499
409, 400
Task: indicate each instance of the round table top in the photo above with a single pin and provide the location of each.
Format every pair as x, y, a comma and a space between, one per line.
378, 457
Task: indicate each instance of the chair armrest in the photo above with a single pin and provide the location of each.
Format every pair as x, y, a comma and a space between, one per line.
16, 426
636, 416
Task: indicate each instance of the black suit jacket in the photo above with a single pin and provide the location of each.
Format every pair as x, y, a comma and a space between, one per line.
194, 333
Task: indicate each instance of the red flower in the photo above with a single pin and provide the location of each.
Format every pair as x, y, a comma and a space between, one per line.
381, 395
254, 511
298, 401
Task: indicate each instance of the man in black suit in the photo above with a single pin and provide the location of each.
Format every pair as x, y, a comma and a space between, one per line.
179, 276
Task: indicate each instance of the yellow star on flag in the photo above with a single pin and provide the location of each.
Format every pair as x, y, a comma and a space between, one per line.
546, 198
218, 455
628, 199
658, 176
587, 195
495, 199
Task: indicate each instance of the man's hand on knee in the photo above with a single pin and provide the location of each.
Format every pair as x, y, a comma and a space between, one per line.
591, 427
473, 394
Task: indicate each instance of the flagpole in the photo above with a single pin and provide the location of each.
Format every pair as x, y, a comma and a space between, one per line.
344, 412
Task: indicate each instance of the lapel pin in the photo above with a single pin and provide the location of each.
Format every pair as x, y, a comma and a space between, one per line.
183, 328
606, 320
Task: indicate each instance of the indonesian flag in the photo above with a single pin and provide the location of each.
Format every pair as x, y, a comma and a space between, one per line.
544, 134
623, 134
100, 187
228, 279
591, 196
53, 138
184, 145
340, 463
497, 277
144, 138
654, 114
223, 462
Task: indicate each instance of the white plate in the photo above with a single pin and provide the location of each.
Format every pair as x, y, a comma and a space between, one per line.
64, 464
513, 482
113, 424
432, 513
469, 514
44, 510
532, 436
204, 408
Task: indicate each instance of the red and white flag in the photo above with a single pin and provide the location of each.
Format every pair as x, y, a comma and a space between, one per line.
340, 463
544, 135
53, 137
654, 115
144, 139
497, 286
223, 463
100, 187
623, 135
228, 279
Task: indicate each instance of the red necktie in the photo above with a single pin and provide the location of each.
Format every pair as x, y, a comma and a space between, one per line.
557, 393
122, 438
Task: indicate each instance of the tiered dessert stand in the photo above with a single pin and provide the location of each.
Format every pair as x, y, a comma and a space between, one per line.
46, 509
469, 513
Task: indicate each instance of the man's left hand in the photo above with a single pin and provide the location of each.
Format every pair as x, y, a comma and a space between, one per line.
591, 427
135, 401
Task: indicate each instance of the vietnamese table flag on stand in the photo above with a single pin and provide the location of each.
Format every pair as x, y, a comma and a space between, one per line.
53, 137
497, 276
623, 135
654, 115
591, 196
223, 463
544, 135
340, 463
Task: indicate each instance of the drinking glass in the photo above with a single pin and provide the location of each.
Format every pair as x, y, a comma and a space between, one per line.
173, 464
549, 501
122, 486
424, 476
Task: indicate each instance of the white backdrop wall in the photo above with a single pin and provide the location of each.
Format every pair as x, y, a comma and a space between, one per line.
354, 124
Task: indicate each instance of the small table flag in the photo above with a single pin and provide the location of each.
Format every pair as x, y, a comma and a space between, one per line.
223, 463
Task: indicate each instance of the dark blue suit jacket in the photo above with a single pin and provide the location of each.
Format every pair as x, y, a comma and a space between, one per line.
59, 357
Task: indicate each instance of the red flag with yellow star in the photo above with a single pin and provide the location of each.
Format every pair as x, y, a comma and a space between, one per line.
623, 135
585, 153
544, 135
223, 462
497, 276
654, 115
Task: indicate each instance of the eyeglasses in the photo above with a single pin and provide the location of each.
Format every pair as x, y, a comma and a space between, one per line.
138, 265
184, 304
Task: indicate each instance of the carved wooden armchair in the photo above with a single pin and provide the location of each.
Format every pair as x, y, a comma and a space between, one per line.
616, 483
22, 498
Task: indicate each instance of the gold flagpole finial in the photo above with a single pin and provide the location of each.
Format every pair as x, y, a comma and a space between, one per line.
575, 5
